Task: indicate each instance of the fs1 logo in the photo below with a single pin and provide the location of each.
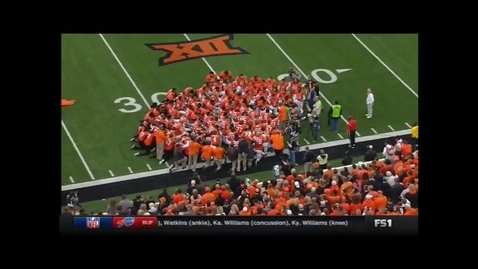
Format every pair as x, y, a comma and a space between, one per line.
382, 223
194, 49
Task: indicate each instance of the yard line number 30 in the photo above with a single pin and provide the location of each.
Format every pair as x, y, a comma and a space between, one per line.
131, 105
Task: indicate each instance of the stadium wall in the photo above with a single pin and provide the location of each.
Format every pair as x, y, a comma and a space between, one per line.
158, 179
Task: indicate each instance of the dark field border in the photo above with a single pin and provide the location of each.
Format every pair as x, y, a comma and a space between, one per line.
99, 192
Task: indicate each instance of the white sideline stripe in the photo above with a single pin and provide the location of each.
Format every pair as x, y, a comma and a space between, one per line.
111, 173
130, 170
77, 150
124, 70
200, 165
386, 66
303, 74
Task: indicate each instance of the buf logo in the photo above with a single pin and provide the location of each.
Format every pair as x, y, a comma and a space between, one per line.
195, 49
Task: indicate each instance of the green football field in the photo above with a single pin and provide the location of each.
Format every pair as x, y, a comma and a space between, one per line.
114, 78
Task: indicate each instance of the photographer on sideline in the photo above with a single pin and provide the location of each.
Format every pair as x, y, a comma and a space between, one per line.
293, 128
311, 85
314, 122
293, 146
293, 73
370, 155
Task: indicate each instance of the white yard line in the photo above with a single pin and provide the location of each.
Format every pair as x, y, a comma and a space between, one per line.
125, 71
204, 60
303, 74
130, 170
323, 138
77, 150
386, 66
306, 141
373, 130
111, 173
391, 128
72, 180
408, 125
341, 137
167, 164
149, 167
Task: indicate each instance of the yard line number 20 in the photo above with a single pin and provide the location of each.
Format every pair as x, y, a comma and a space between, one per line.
131, 105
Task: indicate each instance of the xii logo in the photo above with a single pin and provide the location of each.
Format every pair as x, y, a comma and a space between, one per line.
195, 49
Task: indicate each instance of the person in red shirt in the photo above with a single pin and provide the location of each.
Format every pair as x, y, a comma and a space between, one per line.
351, 131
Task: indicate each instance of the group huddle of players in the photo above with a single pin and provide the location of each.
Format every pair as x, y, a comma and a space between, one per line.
220, 113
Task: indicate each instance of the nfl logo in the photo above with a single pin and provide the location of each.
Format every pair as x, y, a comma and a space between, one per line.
92, 223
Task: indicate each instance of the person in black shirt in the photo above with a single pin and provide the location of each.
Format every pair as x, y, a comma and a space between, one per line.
242, 150
286, 168
164, 194
293, 146
233, 182
347, 160
370, 155
309, 158
232, 155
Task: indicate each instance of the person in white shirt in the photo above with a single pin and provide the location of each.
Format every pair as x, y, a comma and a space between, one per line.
370, 100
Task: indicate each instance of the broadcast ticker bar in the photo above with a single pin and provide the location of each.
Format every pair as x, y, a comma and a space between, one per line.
299, 224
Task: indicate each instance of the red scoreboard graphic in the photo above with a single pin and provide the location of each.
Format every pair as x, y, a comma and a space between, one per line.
135, 222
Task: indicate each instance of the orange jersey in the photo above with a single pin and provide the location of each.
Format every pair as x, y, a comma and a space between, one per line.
224, 76
258, 143
206, 152
215, 140
218, 153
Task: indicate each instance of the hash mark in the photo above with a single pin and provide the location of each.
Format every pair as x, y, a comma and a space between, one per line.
408, 125
149, 166
111, 173
72, 180
340, 136
390, 127
373, 130
323, 138
130, 170
308, 143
